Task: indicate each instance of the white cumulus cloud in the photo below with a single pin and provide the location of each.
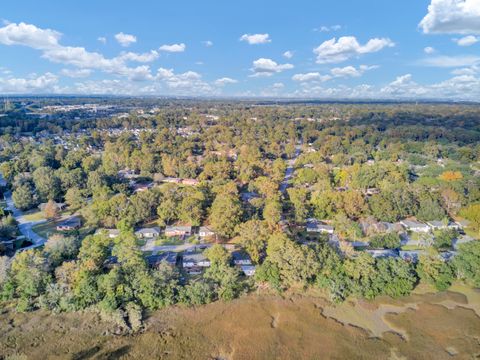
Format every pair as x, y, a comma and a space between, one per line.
268, 67
429, 50
256, 39
288, 54
29, 35
45, 83
125, 40
311, 76
346, 47
76, 73
452, 17
450, 61
173, 48
467, 40
224, 81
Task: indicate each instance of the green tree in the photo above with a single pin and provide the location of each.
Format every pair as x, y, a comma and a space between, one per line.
385, 241
253, 236
298, 197
217, 255
30, 274
46, 183
467, 262
434, 270
75, 199
23, 197
225, 215
60, 248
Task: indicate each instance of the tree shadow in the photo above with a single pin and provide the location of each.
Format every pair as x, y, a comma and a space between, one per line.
115, 354
86, 354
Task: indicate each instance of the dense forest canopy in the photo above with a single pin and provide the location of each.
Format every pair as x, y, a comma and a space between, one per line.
257, 174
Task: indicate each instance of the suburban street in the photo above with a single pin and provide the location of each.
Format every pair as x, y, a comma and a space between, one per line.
24, 225
290, 168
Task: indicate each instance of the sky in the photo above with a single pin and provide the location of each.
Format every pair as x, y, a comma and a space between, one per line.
343, 49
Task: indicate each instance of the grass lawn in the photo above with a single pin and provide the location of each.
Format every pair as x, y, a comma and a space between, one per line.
168, 241
472, 233
34, 215
46, 229
411, 248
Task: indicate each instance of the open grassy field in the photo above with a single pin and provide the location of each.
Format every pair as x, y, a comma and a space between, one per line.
421, 326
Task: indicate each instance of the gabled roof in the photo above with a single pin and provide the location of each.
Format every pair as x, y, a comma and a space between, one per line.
148, 230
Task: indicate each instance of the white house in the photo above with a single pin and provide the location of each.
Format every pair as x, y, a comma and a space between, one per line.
195, 260
441, 225
316, 226
241, 258
382, 253
178, 231
205, 231
415, 226
148, 233
248, 270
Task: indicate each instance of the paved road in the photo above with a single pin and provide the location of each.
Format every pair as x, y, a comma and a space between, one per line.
24, 225
290, 169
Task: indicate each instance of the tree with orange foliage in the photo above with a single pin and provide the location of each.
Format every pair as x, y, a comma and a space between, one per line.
451, 176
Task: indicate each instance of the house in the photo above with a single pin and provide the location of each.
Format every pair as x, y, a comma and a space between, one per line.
147, 233
411, 255
178, 231
248, 270
111, 233
374, 227
127, 174
191, 182
142, 187
382, 253
248, 196
448, 255
371, 191
205, 231
441, 225
172, 180
240, 257
360, 244
316, 226
60, 206
70, 224
195, 261
415, 226
168, 257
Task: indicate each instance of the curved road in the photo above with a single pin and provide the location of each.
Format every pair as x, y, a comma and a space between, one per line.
24, 225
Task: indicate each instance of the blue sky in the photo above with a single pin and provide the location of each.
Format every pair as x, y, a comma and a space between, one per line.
308, 49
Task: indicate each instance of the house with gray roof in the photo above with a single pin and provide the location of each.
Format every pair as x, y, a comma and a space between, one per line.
195, 260
415, 226
317, 226
178, 231
148, 233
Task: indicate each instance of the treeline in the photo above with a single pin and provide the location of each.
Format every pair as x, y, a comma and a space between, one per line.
111, 275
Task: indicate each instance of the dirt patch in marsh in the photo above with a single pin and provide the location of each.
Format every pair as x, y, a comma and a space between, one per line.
256, 327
